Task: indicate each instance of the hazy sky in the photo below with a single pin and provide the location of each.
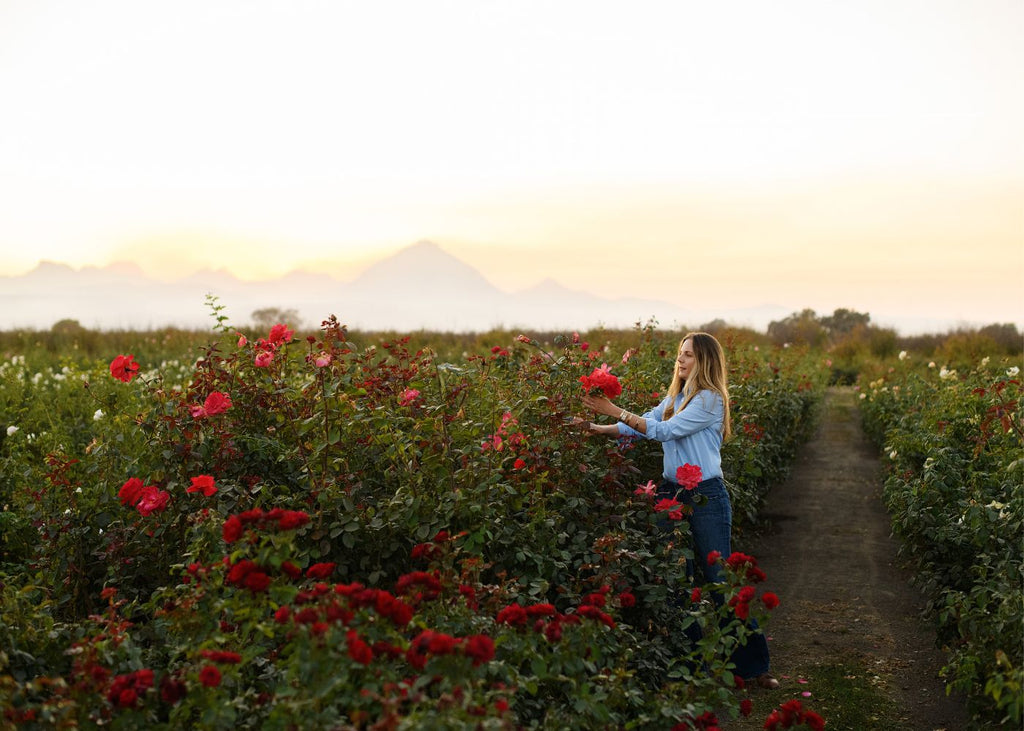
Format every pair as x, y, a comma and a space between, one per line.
862, 154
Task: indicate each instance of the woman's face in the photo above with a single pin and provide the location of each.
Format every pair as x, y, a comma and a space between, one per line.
685, 360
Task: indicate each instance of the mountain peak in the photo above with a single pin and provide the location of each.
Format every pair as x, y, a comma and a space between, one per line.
45, 265
423, 267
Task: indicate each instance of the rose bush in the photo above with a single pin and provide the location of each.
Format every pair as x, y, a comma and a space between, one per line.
955, 466
309, 528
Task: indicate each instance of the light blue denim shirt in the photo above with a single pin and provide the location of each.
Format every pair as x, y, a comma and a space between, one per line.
690, 436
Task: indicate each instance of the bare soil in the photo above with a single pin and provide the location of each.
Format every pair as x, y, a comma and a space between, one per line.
845, 599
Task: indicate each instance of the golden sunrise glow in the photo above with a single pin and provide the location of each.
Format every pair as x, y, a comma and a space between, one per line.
803, 154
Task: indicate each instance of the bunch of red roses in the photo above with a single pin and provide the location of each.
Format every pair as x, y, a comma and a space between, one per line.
147, 499
267, 347
246, 573
278, 518
125, 690
792, 714
546, 619
747, 565
480, 648
601, 380
549, 621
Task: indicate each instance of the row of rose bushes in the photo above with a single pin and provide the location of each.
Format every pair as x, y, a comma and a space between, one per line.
954, 443
295, 532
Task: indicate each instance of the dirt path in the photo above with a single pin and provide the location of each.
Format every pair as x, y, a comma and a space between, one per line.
829, 556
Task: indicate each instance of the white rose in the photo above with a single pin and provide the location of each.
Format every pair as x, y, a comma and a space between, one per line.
1012, 372
98, 415
11, 430
903, 355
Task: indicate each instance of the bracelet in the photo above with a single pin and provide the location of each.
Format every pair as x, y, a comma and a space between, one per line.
622, 417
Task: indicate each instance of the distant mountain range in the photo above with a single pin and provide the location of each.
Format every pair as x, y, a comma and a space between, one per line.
420, 287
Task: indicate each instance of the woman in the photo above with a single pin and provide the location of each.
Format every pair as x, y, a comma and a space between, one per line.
691, 423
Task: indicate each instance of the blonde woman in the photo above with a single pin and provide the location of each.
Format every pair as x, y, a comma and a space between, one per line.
691, 423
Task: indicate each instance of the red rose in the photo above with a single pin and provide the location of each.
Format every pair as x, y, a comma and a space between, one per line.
770, 600
746, 706
153, 500
240, 570
513, 615
591, 612
441, 644
737, 559
671, 506
601, 379
217, 403
291, 519
280, 333
358, 650
541, 610
480, 648
232, 530
257, 582
223, 656
424, 551
320, 570
209, 676
470, 593
203, 484
418, 578
282, 614
626, 599
689, 476
124, 368
131, 491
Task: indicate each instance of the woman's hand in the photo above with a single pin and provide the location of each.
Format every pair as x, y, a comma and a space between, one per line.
601, 405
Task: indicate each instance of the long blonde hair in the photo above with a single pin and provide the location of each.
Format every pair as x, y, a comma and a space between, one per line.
709, 373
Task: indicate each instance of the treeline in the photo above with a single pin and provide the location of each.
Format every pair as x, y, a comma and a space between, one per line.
847, 335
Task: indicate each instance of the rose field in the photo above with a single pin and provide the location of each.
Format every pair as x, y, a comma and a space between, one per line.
272, 529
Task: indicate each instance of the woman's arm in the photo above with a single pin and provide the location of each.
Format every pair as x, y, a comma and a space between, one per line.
601, 405
611, 430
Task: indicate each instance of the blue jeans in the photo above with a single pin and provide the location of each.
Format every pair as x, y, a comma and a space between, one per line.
711, 527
